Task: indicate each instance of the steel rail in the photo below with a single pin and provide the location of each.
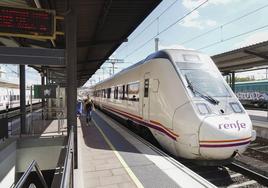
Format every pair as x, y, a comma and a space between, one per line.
250, 173
15, 111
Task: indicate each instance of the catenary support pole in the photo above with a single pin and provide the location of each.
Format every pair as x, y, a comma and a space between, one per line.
43, 100
22, 100
71, 58
233, 81
156, 40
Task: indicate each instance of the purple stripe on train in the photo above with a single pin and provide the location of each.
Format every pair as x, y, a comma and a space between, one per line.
223, 145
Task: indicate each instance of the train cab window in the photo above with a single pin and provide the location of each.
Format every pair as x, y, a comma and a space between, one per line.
206, 82
133, 91
146, 87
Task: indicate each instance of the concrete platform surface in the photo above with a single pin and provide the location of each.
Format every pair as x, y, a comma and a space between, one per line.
110, 157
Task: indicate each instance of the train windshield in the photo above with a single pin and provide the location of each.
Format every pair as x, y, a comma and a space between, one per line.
207, 82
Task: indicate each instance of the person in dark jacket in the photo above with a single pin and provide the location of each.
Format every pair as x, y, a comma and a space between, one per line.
88, 109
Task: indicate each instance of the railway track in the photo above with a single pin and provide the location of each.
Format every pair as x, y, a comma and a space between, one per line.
14, 112
230, 175
258, 150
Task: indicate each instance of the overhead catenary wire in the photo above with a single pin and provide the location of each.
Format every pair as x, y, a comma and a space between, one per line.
232, 37
168, 27
154, 20
226, 23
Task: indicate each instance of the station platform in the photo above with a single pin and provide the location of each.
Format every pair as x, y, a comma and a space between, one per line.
110, 156
257, 115
260, 122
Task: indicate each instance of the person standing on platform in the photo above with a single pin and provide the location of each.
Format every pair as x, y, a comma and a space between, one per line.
88, 108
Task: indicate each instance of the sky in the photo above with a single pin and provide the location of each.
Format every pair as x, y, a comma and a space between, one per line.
212, 27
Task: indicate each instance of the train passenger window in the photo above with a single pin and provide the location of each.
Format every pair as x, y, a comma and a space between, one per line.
133, 91
121, 92
146, 87
104, 93
109, 93
116, 93
112, 93
126, 92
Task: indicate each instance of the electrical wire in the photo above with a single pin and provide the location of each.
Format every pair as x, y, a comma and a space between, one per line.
232, 37
227, 23
168, 27
156, 19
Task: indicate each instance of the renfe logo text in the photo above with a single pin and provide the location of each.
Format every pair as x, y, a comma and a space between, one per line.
235, 125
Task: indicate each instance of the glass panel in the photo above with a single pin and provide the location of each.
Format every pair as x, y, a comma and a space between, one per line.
146, 87
206, 81
120, 92
133, 91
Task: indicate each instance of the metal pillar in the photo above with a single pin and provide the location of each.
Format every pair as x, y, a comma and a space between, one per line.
71, 58
43, 100
22, 100
233, 81
156, 40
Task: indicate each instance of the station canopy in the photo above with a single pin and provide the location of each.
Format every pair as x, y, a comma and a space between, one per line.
241, 59
103, 25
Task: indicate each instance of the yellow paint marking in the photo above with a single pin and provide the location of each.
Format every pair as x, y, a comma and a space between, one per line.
122, 161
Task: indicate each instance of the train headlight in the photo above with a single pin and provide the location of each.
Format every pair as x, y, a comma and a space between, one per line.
236, 107
203, 108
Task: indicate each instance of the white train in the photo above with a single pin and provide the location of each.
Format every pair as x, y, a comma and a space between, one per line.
181, 97
10, 98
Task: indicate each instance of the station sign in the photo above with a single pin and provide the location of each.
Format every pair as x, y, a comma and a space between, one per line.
27, 22
45, 91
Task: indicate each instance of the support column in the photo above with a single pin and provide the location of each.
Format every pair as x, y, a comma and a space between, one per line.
233, 81
156, 40
71, 58
22, 100
43, 100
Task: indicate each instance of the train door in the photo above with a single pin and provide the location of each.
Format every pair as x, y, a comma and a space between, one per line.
146, 97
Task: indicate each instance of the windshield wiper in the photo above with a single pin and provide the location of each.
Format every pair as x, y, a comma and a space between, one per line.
204, 96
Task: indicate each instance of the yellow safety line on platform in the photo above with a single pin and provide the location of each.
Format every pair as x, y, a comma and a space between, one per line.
129, 171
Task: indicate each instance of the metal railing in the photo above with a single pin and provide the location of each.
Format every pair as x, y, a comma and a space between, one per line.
27, 173
67, 174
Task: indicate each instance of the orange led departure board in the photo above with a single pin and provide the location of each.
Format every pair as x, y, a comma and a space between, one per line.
28, 23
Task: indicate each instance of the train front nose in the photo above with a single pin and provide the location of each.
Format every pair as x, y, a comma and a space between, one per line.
222, 137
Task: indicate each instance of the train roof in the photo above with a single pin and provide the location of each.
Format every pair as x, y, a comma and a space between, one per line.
6, 84
166, 54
